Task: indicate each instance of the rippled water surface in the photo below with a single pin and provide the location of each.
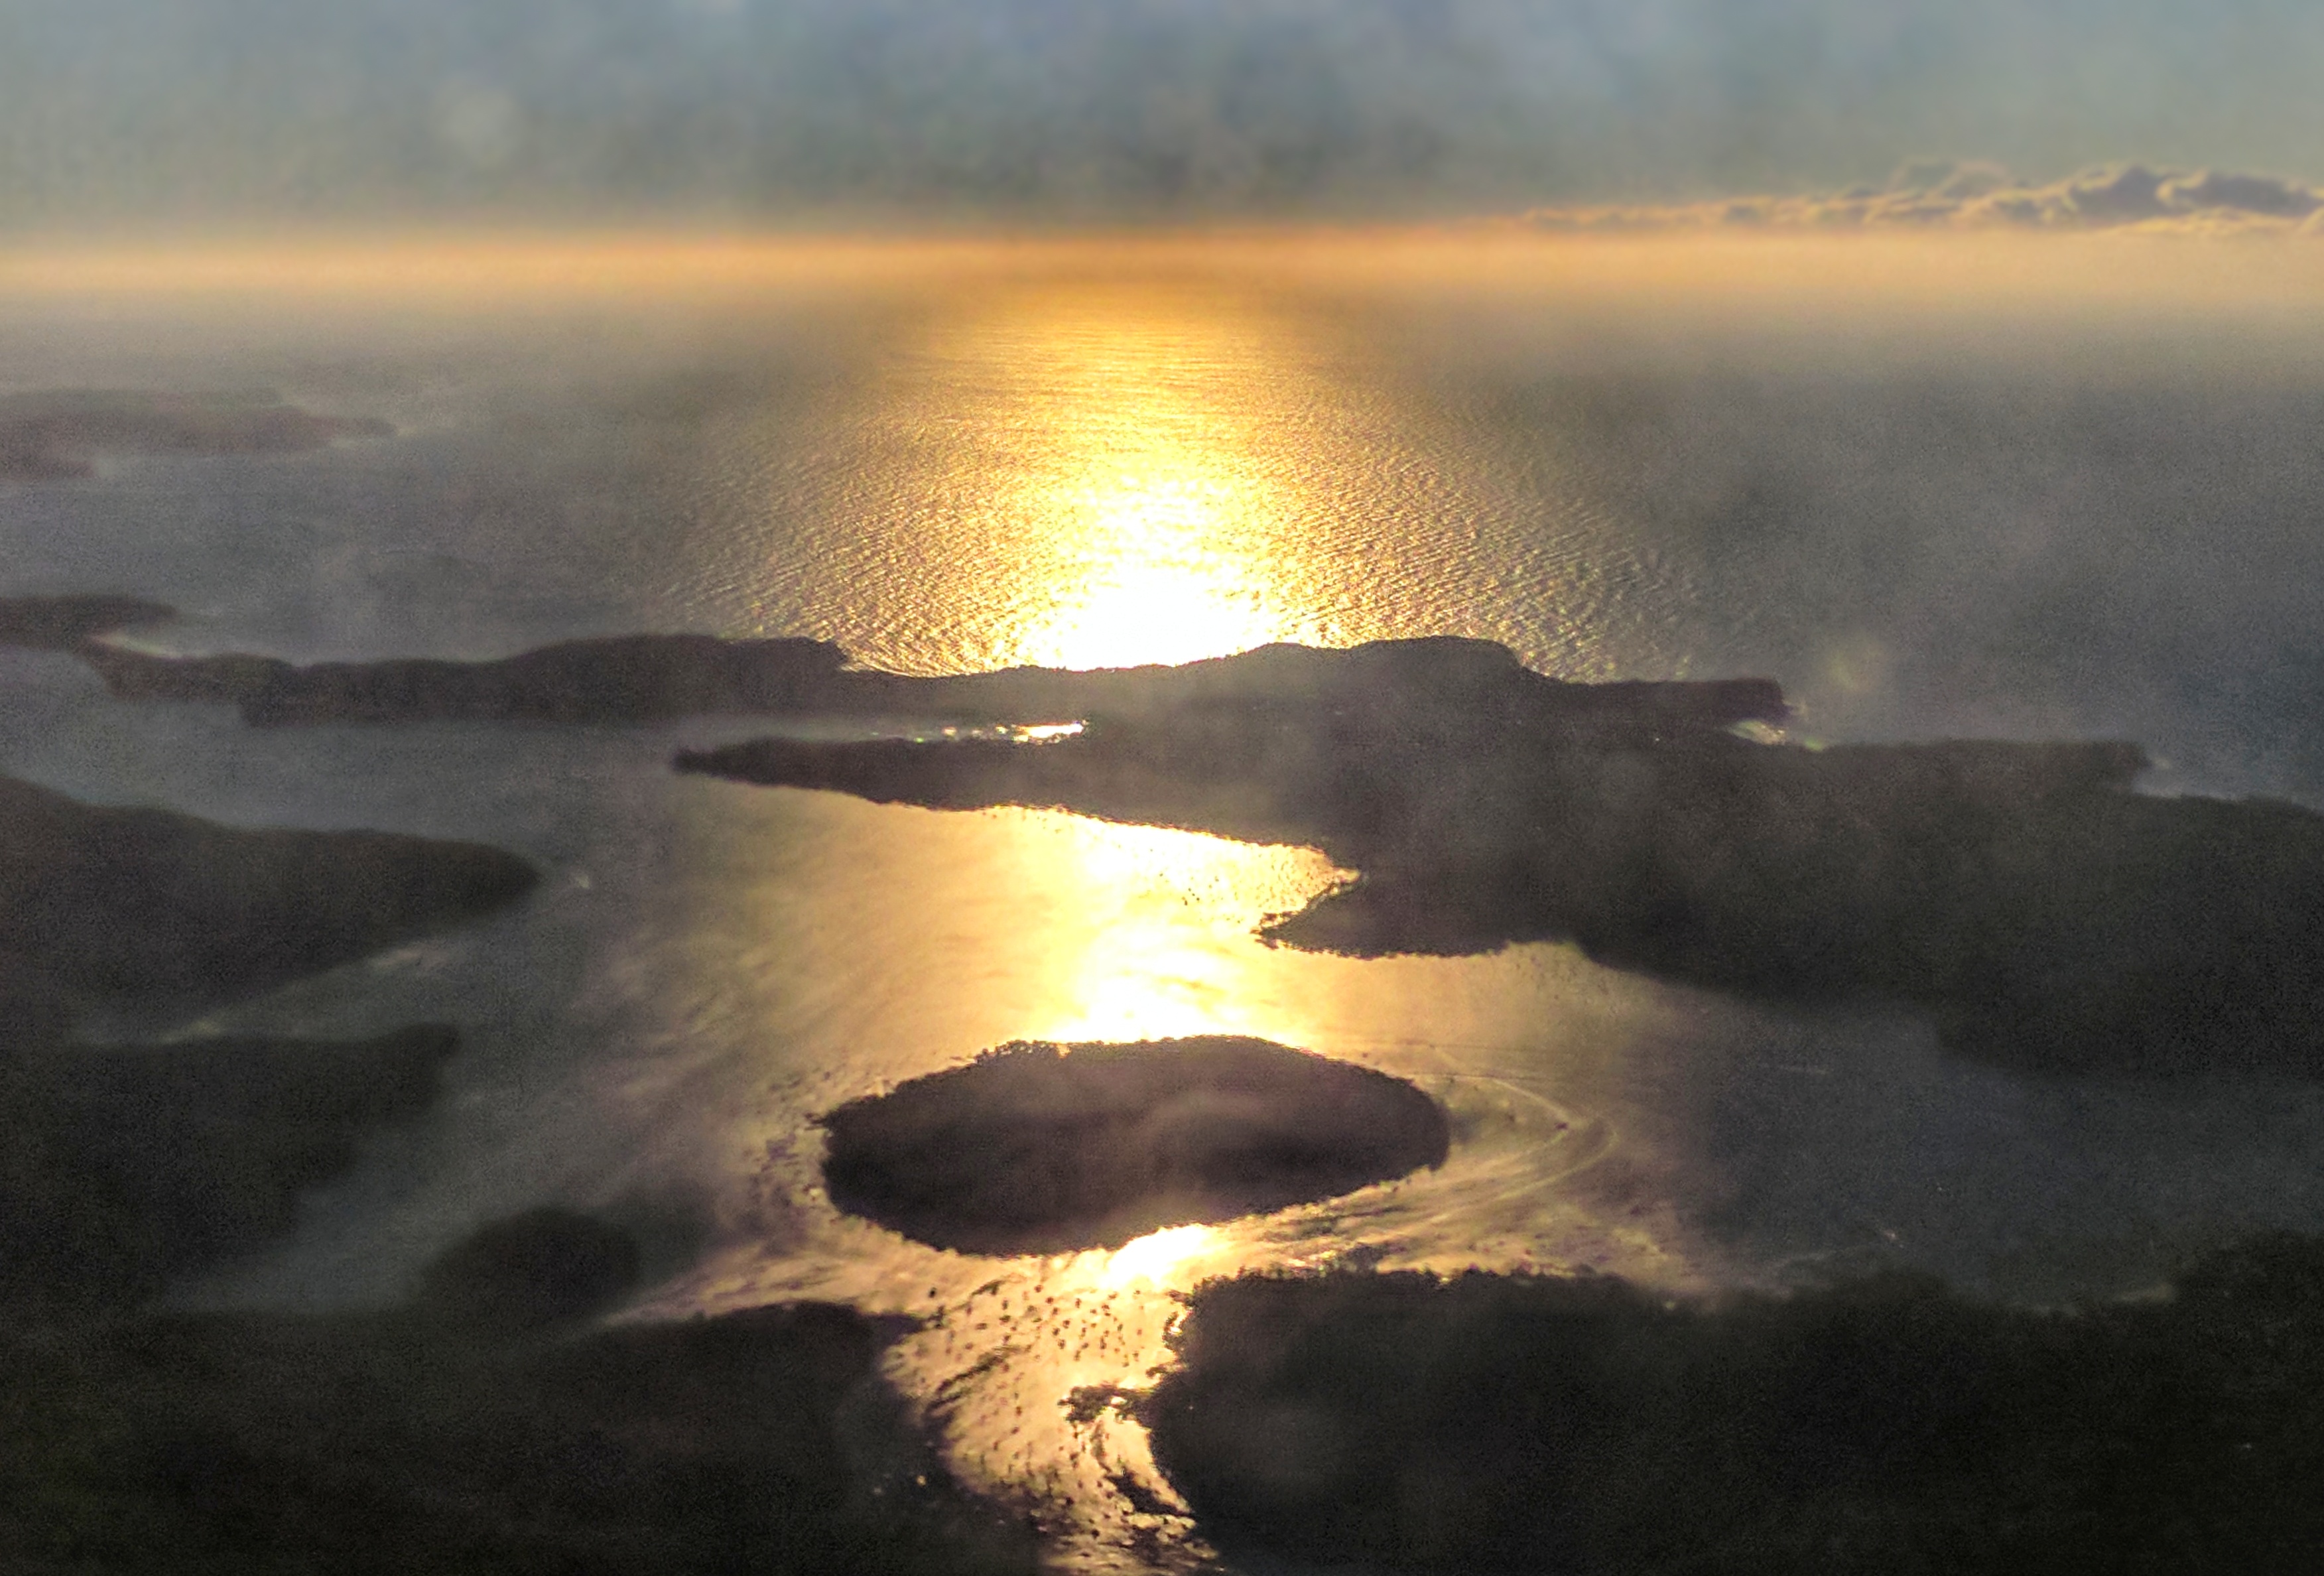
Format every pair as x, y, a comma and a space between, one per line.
1941, 528
1094, 473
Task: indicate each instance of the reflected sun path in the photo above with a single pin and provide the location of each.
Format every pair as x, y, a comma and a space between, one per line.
1161, 520
1098, 477
1121, 481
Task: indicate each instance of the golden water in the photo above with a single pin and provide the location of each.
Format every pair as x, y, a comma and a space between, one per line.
1094, 464
1086, 474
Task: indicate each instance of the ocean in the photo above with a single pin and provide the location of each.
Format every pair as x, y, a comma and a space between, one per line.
2005, 510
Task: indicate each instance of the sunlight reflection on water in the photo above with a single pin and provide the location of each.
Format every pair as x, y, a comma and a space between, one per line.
1093, 474
1080, 471
1034, 925
1152, 514
1166, 948
1093, 477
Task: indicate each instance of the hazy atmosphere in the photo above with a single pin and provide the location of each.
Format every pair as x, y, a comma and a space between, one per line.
1161, 786
140, 112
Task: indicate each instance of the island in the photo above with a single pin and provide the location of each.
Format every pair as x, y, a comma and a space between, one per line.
51, 434
100, 902
1035, 1148
621, 679
652, 677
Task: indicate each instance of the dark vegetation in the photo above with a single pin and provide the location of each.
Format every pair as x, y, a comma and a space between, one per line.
2041, 912
58, 434
1491, 1424
1046, 1148
532, 1271
121, 1166
479, 1429
105, 904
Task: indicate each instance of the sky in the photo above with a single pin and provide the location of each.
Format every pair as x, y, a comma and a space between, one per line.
164, 112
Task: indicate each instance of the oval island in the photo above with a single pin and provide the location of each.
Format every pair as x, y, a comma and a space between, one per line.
1047, 1149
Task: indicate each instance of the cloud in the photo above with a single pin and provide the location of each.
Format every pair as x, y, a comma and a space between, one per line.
1947, 194
116, 110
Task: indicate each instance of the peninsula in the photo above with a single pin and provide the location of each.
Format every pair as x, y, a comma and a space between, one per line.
2039, 912
2022, 896
100, 903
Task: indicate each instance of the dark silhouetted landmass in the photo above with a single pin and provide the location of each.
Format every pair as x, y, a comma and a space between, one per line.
100, 903
1433, 746
121, 1167
2040, 911
542, 1268
1490, 1423
59, 434
623, 678
423, 1440
1046, 1148
61, 623
1382, 683
651, 677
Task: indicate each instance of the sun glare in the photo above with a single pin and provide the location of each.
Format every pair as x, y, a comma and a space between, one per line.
1134, 477
1156, 1257
1157, 578
1166, 941
1151, 515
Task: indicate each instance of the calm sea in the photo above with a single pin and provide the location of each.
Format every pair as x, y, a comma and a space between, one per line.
1998, 518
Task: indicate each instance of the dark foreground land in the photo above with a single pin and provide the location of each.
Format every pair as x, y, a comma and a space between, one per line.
485, 1427
122, 1166
1489, 1423
1046, 1148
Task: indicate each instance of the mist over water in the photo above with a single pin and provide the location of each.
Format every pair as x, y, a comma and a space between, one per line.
1922, 525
